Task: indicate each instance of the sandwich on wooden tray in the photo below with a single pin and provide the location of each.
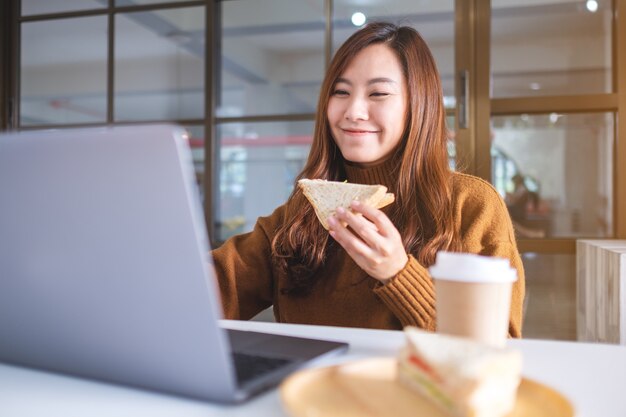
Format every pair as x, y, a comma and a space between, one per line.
326, 196
465, 378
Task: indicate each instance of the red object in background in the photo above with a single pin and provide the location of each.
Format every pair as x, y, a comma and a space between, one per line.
257, 142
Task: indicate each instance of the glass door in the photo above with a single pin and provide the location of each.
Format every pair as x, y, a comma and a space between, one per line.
539, 99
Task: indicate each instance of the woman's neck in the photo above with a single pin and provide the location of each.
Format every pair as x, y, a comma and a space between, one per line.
384, 173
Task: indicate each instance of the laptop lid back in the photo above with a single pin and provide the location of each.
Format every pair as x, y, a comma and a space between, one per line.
104, 260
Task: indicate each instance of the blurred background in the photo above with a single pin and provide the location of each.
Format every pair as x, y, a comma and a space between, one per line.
530, 87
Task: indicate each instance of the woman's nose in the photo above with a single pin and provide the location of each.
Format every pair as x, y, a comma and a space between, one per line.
357, 109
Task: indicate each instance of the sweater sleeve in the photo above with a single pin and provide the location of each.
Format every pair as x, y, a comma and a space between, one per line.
244, 271
485, 229
411, 296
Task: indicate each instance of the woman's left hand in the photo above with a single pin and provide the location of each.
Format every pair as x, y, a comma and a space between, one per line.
374, 243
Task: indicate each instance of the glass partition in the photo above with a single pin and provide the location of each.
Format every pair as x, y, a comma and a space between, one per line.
556, 173
550, 302
272, 57
159, 64
63, 71
549, 47
142, 2
196, 143
34, 7
258, 166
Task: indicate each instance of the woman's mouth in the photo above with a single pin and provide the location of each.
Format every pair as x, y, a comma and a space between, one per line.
358, 132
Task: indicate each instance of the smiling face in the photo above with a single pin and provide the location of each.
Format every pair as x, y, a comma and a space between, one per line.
368, 105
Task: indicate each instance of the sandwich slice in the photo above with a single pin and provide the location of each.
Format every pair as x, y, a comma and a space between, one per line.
463, 377
326, 196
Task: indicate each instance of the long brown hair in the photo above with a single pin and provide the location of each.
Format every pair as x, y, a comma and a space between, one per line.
423, 208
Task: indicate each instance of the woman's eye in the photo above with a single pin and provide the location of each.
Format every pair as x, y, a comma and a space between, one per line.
379, 94
339, 92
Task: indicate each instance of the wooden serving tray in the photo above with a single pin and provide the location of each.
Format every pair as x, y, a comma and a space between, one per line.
369, 388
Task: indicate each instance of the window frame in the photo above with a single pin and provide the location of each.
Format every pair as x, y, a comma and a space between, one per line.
472, 50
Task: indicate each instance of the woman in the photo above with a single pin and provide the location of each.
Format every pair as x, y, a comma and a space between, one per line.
380, 120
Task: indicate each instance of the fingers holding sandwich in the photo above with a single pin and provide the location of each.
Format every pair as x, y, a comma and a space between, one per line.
350, 212
373, 242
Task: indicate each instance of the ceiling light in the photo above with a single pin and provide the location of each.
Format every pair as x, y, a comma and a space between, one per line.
535, 86
554, 117
358, 19
592, 5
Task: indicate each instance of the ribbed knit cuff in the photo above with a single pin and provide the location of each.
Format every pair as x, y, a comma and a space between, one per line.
411, 296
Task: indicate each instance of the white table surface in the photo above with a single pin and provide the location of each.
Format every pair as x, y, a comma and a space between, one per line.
593, 376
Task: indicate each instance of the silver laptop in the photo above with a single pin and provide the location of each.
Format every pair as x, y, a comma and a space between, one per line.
105, 269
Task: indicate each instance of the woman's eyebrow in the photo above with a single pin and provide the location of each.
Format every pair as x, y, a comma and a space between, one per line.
369, 82
381, 80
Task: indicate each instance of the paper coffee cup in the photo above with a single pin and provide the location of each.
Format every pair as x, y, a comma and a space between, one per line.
473, 296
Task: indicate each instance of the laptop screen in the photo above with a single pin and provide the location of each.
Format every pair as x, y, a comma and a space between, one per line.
103, 260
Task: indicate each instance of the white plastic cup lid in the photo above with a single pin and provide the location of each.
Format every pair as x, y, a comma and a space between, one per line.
468, 267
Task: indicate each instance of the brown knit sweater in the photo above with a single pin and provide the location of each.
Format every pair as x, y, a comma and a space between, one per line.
344, 295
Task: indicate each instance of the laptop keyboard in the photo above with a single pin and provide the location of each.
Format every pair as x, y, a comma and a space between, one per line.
250, 366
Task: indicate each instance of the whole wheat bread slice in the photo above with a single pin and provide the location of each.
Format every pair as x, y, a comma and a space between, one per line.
326, 196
